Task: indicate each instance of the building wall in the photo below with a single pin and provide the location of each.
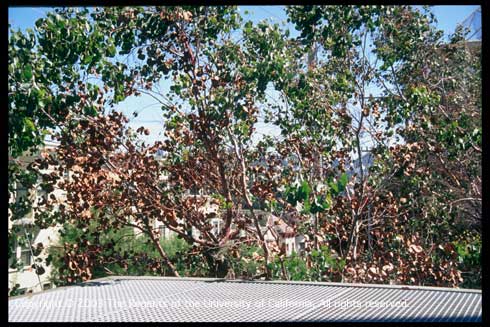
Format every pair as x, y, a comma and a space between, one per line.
290, 243
207, 208
26, 277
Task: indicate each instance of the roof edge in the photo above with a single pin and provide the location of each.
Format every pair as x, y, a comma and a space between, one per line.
204, 279
210, 279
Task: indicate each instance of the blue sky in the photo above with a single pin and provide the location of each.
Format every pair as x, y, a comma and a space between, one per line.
149, 113
448, 16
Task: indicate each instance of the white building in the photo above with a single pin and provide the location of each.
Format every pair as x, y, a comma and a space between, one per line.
206, 208
275, 230
278, 232
25, 276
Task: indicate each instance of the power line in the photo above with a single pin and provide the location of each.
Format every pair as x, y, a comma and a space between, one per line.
473, 23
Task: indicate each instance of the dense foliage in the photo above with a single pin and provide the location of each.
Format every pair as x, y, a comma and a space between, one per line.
120, 244
411, 216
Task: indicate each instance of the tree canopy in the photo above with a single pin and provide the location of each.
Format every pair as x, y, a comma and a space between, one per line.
411, 215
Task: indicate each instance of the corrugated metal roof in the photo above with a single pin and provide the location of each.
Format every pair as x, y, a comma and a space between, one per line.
148, 299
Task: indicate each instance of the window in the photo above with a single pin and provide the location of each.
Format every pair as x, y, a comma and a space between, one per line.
66, 175
14, 256
42, 196
216, 227
301, 247
21, 194
11, 261
25, 256
25, 250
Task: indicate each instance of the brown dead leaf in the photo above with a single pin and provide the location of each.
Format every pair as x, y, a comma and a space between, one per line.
415, 248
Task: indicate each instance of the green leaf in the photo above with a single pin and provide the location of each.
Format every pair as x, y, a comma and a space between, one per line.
29, 124
307, 206
111, 51
39, 22
342, 182
303, 192
328, 200
290, 196
87, 59
326, 203
334, 187
27, 72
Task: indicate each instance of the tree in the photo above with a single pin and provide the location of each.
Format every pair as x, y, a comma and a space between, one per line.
408, 186
219, 80
132, 254
48, 69
376, 223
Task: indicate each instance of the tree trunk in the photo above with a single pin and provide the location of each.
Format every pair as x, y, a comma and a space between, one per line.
162, 253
